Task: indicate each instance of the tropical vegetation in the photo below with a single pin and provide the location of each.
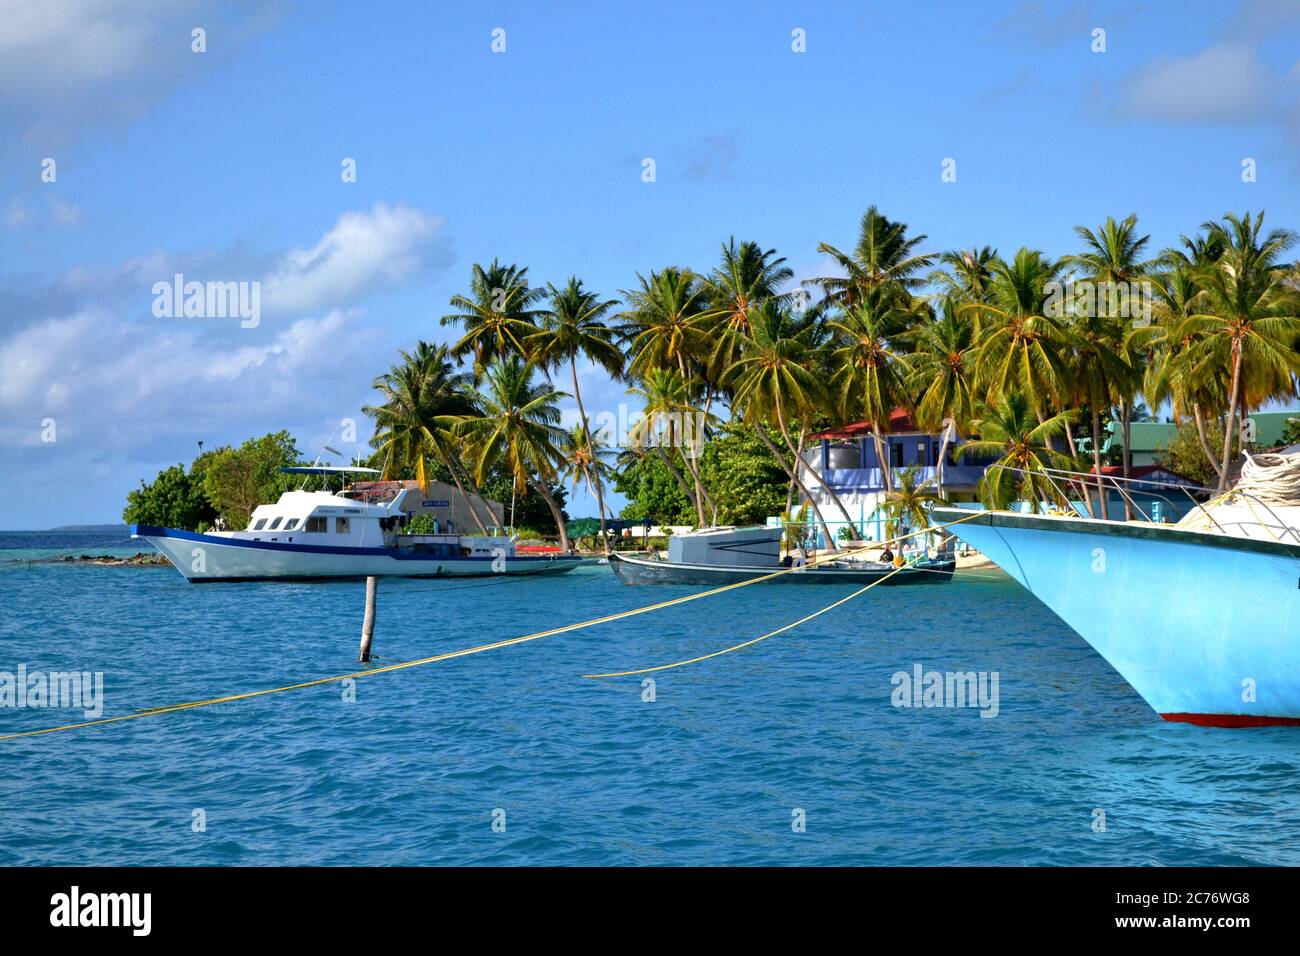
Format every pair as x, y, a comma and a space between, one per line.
1024, 357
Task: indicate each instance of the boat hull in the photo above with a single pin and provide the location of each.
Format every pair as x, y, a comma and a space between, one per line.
1205, 627
643, 571
205, 557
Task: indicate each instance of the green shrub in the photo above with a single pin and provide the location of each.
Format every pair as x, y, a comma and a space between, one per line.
420, 524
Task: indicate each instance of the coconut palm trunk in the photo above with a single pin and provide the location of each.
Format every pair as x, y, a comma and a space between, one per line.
593, 480
713, 507
1232, 411
1126, 456
886, 470
556, 513
1096, 462
789, 494
948, 427
682, 482
465, 497
702, 495
785, 435
1201, 436
794, 477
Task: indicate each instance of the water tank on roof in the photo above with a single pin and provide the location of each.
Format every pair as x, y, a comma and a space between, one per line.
843, 454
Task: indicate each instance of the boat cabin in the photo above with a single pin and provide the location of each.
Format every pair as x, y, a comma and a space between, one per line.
318, 517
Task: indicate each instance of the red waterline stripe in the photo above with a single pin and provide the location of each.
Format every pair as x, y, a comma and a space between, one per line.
1232, 720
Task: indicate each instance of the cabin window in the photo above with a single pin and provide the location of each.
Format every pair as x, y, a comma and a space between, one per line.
259, 524
315, 524
291, 524
275, 523
342, 525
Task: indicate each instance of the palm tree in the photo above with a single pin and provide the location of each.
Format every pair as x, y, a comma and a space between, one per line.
422, 398
1098, 366
575, 326
663, 322
773, 380
1113, 254
1249, 320
942, 373
1022, 443
1020, 350
666, 404
965, 274
517, 427
498, 315
666, 326
1167, 373
908, 504
746, 277
587, 461
870, 372
884, 257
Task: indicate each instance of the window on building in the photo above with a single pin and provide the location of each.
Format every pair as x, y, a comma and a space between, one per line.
922, 458
315, 524
259, 524
342, 525
896, 455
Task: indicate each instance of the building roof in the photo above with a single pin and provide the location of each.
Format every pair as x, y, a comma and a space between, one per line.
1153, 436
1137, 472
900, 423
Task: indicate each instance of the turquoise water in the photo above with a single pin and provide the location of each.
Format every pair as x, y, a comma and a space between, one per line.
586, 771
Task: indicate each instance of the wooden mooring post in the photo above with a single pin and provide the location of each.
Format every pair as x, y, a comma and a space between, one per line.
368, 622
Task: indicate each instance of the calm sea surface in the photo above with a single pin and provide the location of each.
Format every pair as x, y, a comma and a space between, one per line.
713, 771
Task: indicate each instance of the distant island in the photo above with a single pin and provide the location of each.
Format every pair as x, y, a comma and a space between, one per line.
105, 528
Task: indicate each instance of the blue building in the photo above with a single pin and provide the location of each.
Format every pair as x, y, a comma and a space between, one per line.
846, 457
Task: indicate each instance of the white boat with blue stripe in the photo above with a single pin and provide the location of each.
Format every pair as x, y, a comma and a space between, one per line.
312, 535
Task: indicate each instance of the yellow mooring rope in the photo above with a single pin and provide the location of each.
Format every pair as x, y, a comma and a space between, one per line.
465, 652
756, 640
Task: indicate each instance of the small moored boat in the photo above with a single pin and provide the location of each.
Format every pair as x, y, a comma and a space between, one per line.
315, 534
726, 555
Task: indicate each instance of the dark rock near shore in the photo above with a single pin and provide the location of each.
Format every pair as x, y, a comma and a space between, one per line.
141, 558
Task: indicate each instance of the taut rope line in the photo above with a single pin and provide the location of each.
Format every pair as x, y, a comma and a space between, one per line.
756, 640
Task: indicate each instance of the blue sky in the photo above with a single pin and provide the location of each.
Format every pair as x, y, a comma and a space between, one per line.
225, 165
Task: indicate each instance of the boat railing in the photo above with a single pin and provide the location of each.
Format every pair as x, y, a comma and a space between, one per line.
1089, 480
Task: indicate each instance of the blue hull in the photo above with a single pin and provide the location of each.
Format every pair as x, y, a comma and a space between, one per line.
1206, 628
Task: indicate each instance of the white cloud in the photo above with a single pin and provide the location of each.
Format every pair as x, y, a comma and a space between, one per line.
64, 214
129, 391
363, 251
59, 213
1224, 83
18, 214
79, 65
